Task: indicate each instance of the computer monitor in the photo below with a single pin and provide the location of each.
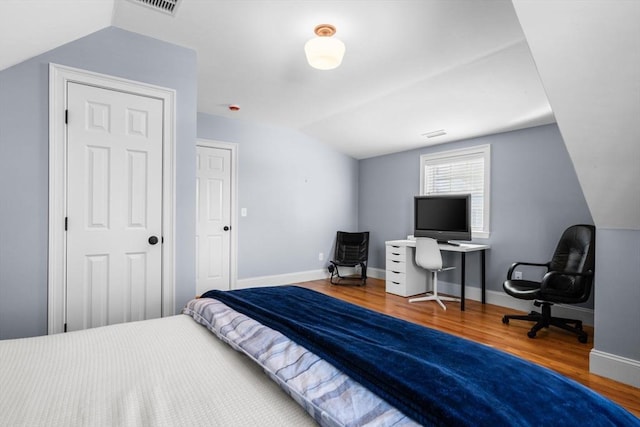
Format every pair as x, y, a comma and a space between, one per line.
443, 217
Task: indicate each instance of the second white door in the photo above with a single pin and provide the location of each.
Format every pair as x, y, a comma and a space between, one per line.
213, 235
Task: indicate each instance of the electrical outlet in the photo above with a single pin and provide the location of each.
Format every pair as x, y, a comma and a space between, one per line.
517, 275
321, 256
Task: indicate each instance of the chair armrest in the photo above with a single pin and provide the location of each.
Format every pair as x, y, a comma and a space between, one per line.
551, 274
515, 264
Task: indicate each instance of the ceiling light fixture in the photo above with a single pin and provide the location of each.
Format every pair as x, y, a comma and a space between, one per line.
324, 52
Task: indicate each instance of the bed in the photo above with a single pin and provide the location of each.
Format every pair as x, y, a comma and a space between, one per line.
281, 356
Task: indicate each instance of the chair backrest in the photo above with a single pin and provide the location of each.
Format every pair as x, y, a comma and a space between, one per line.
575, 253
428, 254
352, 247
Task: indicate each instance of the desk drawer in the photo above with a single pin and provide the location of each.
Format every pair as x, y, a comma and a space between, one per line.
395, 283
396, 277
396, 265
397, 253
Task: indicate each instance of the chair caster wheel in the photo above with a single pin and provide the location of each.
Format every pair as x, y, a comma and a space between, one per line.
531, 334
505, 320
582, 339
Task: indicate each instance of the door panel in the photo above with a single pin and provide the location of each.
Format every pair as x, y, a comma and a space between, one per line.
114, 204
213, 188
97, 188
138, 189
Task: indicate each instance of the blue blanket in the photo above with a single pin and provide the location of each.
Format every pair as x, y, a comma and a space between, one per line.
433, 377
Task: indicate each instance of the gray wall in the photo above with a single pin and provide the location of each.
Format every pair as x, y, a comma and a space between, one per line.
24, 97
617, 316
535, 195
297, 193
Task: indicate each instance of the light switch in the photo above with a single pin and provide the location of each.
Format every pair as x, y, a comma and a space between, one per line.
243, 212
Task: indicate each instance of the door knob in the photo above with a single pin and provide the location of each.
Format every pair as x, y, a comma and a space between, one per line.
226, 228
153, 240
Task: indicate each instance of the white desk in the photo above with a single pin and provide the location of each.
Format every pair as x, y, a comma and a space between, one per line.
405, 278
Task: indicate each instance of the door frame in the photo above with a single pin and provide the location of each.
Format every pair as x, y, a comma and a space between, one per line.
233, 246
59, 76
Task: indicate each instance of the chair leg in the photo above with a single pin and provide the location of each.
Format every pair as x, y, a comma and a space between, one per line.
542, 323
565, 324
337, 279
544, 320
533, 316
364, 271
333, 269
433, 296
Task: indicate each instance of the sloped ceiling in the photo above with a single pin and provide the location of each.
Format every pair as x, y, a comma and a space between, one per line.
588, 55
31, 27
411, 67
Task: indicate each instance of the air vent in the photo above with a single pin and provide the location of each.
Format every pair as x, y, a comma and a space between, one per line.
165, 6
434, 133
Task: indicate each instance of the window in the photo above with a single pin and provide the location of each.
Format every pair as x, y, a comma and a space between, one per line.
461, 171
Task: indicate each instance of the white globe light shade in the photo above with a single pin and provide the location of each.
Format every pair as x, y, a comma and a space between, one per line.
324, 53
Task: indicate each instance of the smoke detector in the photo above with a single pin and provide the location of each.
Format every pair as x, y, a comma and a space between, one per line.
165, 6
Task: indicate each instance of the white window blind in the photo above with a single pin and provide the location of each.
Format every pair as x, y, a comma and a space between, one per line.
460, 171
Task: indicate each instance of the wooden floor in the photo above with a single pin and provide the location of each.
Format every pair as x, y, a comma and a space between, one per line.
554, 348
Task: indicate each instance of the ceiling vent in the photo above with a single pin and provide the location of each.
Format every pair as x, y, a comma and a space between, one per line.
434, 133
165, 6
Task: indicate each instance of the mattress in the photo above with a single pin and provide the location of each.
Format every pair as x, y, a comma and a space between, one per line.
161, 372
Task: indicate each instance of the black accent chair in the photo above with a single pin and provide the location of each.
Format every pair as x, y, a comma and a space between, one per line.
352, 250
568, 280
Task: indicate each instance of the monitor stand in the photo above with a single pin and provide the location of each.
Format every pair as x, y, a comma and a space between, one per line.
447, 242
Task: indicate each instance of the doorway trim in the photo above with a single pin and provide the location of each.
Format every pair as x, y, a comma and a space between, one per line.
233, 243
59, 76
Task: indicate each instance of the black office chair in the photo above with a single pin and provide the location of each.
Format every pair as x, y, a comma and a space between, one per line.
568, 280
352, 250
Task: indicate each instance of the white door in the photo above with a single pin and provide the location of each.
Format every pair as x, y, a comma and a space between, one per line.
213, 195
114, 207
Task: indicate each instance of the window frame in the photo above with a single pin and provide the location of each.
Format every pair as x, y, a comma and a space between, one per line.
483, 151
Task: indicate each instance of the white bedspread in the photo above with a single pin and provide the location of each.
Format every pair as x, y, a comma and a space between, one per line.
162, 372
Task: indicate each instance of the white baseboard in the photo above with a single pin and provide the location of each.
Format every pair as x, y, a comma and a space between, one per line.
297, 277
377, 273
282, 279
616, 367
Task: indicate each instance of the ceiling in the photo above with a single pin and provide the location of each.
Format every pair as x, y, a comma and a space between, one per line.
411, 66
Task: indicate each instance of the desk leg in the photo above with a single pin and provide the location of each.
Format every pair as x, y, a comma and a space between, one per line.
482, 267
463, 263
